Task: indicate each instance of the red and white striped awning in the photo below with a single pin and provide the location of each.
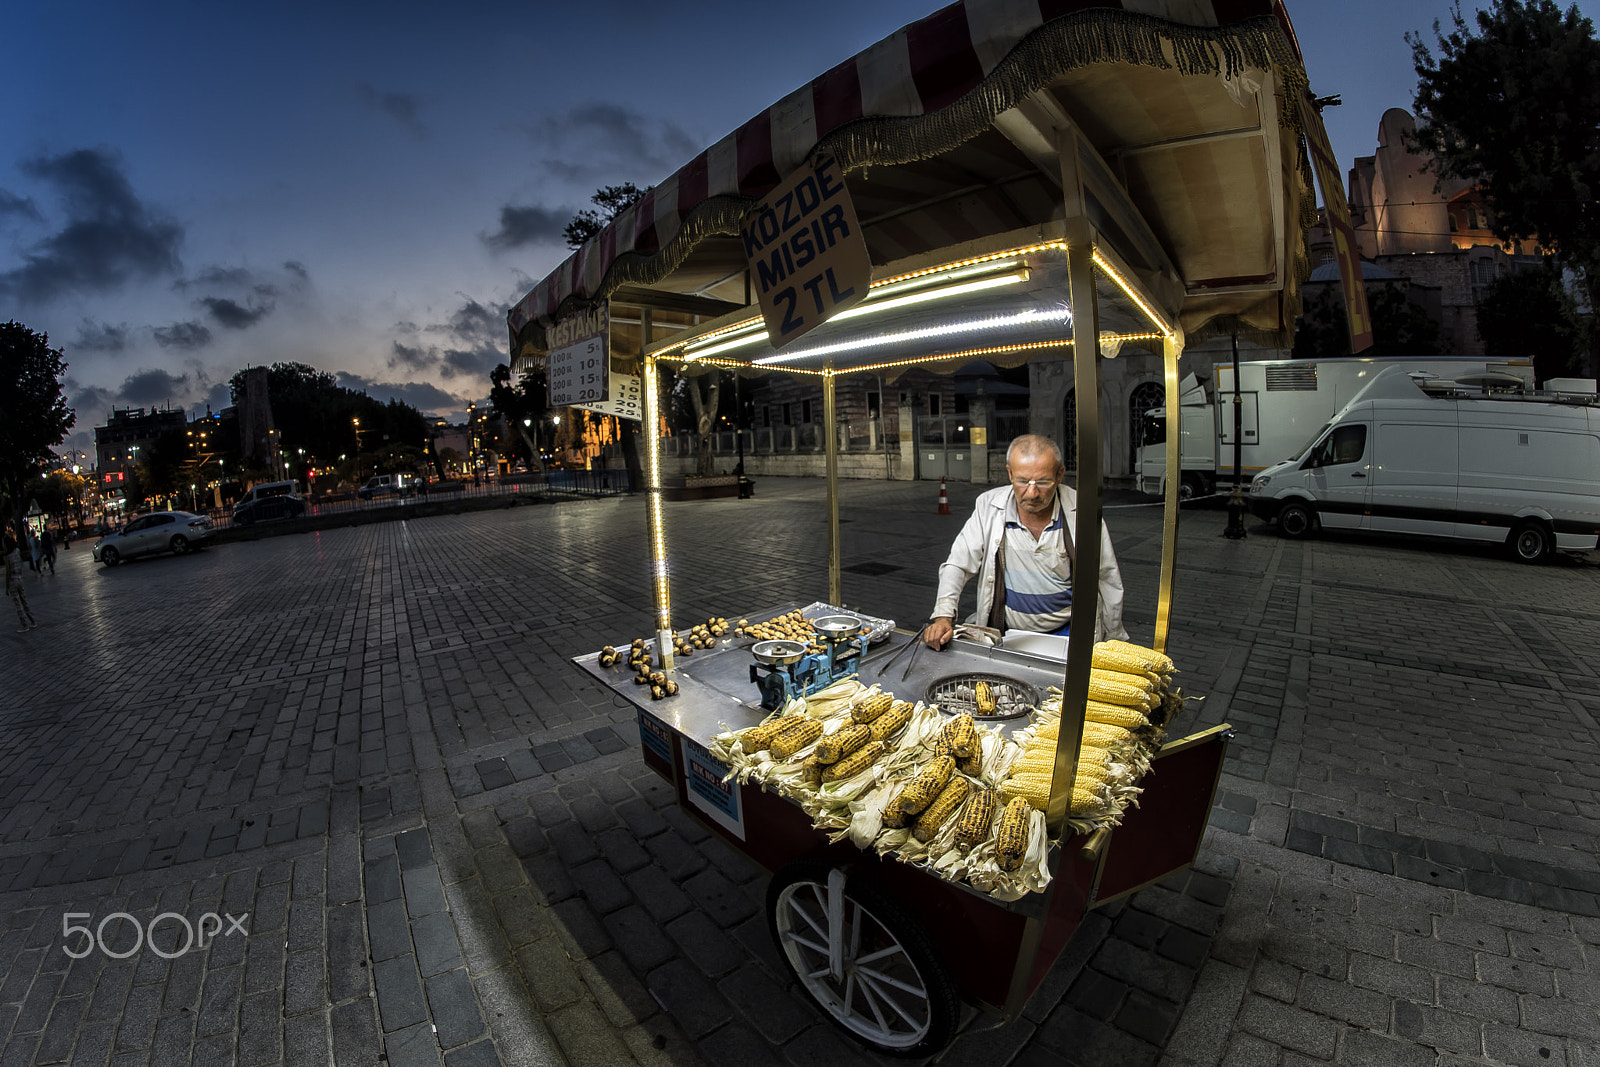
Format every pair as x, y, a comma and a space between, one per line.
944, 131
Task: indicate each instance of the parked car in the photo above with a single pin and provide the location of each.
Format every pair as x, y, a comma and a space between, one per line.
159, 531
384, 484
268, 501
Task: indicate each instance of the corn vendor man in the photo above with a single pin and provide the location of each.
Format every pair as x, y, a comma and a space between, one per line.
1019, 541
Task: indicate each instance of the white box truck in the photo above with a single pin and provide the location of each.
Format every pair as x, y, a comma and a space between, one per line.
1283, 403
1414, 454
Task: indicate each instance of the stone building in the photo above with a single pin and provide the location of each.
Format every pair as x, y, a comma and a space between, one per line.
118, 443
1438, 238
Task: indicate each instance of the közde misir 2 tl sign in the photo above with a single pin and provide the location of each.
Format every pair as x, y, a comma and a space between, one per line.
808, 259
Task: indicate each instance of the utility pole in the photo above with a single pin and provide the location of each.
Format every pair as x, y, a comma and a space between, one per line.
1235, 528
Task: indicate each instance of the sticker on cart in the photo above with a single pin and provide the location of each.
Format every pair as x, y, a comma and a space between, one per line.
709, 793
655, 736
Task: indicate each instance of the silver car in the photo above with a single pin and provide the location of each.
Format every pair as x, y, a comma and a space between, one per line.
159, 531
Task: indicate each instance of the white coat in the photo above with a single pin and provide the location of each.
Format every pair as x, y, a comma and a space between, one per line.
974, 552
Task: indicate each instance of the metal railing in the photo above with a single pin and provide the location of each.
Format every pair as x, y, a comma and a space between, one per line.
855, 436
862, 435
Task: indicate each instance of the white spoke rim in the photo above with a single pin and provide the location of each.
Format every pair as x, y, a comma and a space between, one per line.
867, 982
858, 1000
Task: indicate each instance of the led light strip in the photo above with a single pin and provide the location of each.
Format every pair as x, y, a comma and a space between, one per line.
920, 296
732, 364
994, 322
992, 350
926, 276
970, 353
732, 338
1127, 290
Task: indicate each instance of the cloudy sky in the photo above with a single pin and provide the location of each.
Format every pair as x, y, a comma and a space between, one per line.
188, 188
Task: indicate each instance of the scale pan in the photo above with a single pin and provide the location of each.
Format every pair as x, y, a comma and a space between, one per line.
778, 653
837, 627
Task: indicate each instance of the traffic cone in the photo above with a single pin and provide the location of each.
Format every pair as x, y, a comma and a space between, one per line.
944, 498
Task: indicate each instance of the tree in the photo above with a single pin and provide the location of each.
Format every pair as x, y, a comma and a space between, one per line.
612, 200
60, 493
36, 417
163, 468
521, 403
705, 416
1515, 108
1530, 314
1400, 327
324, 420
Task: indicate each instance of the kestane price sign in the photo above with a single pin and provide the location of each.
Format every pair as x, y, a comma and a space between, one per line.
578, 369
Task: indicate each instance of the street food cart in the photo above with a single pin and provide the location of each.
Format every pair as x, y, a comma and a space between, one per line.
1064, 182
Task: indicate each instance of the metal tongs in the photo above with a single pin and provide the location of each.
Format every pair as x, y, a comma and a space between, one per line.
912, 644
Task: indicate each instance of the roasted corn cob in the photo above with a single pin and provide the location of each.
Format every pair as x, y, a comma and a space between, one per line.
976, 817
759, 737
1114, 715
949, 800
961, 734
853, 764
895, 817
1113, 687
812, 769
872, 707
920, 791
972, 764
891, 721
1100, 734
839, 744
1087, 797
1091, 764
983, 696
1011, 837
1127, 656
795, 736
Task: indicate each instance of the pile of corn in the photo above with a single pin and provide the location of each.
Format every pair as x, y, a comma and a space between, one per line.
956, 796
825, 750
1130, 702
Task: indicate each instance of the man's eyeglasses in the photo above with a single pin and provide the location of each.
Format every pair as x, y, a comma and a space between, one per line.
1042, 484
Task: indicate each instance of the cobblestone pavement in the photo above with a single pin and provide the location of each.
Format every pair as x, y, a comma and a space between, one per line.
340, 797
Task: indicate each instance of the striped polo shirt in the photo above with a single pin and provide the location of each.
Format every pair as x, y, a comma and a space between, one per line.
1038, 575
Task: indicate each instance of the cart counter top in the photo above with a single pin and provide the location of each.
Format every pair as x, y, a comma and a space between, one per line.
716, 692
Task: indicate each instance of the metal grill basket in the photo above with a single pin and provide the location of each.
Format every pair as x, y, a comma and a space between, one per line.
953, 695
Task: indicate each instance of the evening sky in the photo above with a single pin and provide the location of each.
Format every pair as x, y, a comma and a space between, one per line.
187, 188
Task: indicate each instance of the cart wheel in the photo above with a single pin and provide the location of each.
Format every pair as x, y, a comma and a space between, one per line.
866, 963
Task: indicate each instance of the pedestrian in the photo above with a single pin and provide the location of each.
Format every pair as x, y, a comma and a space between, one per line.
66, 536
47, 549
34, 551
14, 585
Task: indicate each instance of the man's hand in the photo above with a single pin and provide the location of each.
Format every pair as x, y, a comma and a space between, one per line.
938, 633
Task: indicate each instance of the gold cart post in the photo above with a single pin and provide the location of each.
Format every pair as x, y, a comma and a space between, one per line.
658, 535
1171, 349
832, 430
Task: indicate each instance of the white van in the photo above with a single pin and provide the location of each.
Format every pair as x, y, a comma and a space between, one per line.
384, 484
1421, 455
267, 501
